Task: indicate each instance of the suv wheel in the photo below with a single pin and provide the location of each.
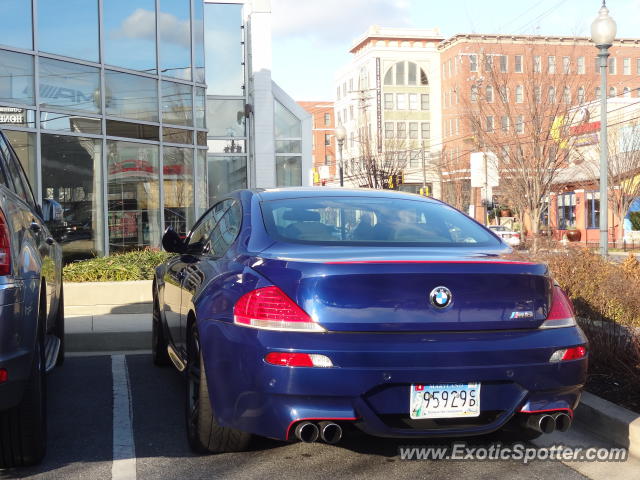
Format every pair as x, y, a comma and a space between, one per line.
23, 428
204, 433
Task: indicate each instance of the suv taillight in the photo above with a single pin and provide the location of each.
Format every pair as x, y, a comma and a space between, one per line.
5, 246
271, 309
561, 312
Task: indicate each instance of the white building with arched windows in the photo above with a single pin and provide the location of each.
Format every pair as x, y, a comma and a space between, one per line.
384, 100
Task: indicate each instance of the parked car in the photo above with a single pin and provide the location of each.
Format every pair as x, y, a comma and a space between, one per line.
509, 236
31, 313
415, 322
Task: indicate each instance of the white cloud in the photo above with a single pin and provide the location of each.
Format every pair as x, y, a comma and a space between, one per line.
336, 20
141, 24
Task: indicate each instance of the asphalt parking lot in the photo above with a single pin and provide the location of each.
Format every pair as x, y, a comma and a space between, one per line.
81, 439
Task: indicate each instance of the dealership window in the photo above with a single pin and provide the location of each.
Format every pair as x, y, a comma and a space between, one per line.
69, 28
72, 123
176, 135
76, 185
177, 103
518, 63
16, 77
612, 65
123, 45
388, 101
16, 24
80, 84
473, 62
175, 38
178, 186
25, 146
581, 68
388, 130
131, 96
413, 130
566, 211
225, 117
426, 130
200, 182
226, 173
626, 66
424, 101
225, 73
200, 107
133, 193
413, 101
288, 127
593, 209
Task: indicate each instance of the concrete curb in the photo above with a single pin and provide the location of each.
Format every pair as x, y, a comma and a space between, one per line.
99, 298
610, 421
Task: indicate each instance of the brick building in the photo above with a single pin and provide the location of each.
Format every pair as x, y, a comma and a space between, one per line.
323, 140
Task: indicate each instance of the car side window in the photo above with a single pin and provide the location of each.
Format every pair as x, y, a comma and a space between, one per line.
3, 178
226, 230
21, 188
198, 239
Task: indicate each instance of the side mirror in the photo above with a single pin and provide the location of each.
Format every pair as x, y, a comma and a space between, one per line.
172, 242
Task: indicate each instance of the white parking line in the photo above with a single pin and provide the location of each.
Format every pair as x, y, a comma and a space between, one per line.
124, 452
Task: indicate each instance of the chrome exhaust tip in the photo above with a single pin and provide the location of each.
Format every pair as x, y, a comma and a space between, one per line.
307, 432
541, 423
330, 432
563, 422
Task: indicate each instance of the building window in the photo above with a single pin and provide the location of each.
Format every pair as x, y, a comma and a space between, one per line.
388, 101
351, 84
519, 94
327, 119
551, 96
637, 66
537, 94
489, 123
566, 210
626, 91
412, 70
504, 123
537, 64
339, 118
401, 130
489, 93
413, 130
327, 139
388, 130
424, 101
503, 63
580, 95
426, 130
16, 79
413, 101
612, 92
177, 104
598, 92
338, 93
328, 159
488, 63
474, 93
473, 62
519, 124
351, 111
593, 210
288, 135
518, 63
566, 95
401, 101
566, 65
551, 64
504, 94
612, 65
581, 68
626, 66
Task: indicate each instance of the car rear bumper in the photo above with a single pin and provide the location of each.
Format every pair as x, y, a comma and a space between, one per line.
370, 381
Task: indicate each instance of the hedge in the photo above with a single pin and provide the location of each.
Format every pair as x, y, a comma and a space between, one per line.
134, 265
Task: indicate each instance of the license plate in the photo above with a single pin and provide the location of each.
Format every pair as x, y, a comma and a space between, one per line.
445, 401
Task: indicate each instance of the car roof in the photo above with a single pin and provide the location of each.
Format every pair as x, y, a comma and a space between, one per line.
305, 192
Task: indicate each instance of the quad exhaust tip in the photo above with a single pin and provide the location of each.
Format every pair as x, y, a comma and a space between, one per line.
330, 432
307, 432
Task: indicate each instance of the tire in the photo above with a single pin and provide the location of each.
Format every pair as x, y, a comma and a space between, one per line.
23, 428
203, 432
59, 327
159, 352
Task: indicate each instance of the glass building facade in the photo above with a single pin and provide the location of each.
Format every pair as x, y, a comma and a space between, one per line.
105, 103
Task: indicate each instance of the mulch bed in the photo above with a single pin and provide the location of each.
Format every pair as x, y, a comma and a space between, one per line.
614, 388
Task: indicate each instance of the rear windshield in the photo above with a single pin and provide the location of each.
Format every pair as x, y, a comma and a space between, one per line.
371, 221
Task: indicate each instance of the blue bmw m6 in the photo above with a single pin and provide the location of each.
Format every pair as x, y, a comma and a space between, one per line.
305, 313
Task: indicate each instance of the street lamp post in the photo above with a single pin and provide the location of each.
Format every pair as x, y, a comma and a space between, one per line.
603, 32
341, 134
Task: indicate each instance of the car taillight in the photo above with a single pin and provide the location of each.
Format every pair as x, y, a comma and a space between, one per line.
271, 309
573, 353
561, 312
5, 246
4, 376
516, 235
289, 359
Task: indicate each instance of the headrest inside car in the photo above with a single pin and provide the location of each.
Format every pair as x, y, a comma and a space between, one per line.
301, 215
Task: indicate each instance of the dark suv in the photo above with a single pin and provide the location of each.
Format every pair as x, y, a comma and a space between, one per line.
31, 314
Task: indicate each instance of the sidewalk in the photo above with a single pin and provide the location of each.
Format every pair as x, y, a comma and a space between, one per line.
108, 332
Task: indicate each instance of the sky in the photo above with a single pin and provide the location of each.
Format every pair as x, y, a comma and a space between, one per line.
312, 38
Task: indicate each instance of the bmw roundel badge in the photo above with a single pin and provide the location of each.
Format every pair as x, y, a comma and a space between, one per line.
440, 297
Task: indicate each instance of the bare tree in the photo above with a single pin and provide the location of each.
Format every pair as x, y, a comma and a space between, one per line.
524, 119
